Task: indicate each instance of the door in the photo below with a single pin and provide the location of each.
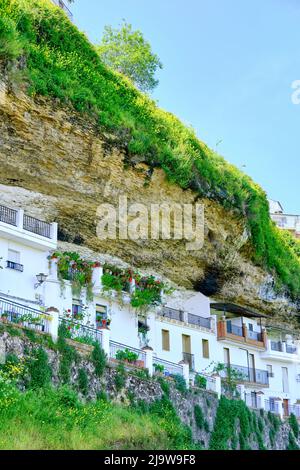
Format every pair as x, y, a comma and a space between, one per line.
286, 407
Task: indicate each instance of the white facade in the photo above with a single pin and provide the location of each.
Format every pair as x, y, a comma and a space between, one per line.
183, 331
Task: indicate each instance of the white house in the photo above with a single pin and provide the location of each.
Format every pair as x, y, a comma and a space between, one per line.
185, 333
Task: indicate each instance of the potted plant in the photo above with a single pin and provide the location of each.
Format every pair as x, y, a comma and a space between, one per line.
4, 317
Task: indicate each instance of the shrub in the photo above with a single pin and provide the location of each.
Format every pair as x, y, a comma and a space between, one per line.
120, 377
200, 381
165, 386
180, 383
39, 369
199, 417
294, 425
99, 360
68, 356
292, 444
126, 355
83, 381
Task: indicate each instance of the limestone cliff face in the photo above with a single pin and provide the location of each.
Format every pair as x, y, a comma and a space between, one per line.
57, 165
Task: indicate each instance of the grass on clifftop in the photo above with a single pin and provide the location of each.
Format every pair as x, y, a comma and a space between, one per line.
61, 63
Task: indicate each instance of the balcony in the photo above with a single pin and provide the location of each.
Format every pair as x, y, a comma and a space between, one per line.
247, 375
15, 266
228, 331
188, 318
20, 227
281, 351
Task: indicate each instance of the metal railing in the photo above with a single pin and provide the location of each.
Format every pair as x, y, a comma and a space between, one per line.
234, 329
8, 216
199, 321
31, 224
114, 347
79, 332
247, 374
15, 266
172, 313
272, 406
276, 346
255, 335
170, 368
190, 359
24, 316
294, 409
290, 349
192, 319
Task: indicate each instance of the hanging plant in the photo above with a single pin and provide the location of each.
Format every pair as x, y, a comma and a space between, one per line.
71, 267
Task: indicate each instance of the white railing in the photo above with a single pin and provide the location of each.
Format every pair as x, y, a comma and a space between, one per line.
170, 368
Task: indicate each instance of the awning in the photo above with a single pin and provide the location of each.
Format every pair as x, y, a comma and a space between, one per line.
236, 310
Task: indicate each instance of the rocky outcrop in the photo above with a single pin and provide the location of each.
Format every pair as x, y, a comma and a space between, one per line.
56, 165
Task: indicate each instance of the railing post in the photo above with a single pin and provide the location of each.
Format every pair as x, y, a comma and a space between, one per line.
106, 341
186, 372
241, 390
218, 386
97, 278
53, 269
20, 217
53, 231
279, 406
53, 323
283, 346
149, 359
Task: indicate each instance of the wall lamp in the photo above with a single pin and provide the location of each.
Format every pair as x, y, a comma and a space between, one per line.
41, 278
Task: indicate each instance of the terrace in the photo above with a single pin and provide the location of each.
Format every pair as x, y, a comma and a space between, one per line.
190, 319
232, 327
20, 227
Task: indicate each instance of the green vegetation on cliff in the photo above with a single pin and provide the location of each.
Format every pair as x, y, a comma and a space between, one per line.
61, 63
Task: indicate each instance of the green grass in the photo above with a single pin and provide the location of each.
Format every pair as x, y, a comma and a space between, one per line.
61, 63
51, 419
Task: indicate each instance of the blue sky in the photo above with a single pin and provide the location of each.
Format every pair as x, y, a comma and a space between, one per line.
228, 70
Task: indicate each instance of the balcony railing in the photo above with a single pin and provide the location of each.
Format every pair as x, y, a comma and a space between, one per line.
192, 319
276, 346
170, 368
115, 347
255, 335
79, 332
190, 359
37, 226
24, 316
199, 321
172, 313
8, 216
291, 349
247, 374
272, 406
234, 329
15, 266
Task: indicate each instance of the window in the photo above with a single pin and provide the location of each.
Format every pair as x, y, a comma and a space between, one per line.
227, 356
205, 348
101, 314
270, 370
165, 340
77, 310
14, 256
13, 260
250, 326
186, 344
